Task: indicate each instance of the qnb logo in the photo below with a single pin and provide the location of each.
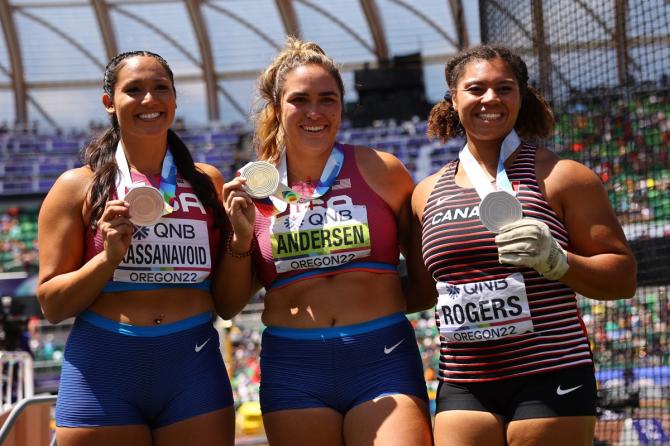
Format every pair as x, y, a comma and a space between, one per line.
453, 291
140, 232
293, 222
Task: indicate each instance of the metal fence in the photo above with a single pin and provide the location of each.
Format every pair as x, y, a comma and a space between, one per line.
605, 67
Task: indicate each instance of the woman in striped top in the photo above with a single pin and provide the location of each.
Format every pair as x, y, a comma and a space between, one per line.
515, 362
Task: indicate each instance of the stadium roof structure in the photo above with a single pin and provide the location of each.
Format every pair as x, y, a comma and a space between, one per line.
53, 52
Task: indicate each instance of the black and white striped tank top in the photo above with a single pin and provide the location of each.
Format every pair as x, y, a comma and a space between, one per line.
458, 250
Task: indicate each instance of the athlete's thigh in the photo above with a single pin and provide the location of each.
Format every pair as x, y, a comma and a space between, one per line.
469, 428
136, 434
555, 431
213, 428
320, 425
398, 420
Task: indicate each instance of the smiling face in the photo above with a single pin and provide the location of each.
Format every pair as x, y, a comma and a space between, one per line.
487, 100
310, 108
144, 99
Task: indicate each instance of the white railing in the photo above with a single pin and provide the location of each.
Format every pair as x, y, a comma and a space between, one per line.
18, 409
16, 375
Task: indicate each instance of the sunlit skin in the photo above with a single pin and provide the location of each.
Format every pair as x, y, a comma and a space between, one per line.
144, 99
310, 113
143, 102
488, 101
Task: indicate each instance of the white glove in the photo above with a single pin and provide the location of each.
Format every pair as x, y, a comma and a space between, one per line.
528, 242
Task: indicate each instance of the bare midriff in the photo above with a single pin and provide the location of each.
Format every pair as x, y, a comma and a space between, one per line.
343, 299
152, 307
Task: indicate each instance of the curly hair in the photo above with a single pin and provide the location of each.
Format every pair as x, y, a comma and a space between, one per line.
535, 119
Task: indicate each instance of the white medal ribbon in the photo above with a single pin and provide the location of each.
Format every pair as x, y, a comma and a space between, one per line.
502, 207
268, 185
124, 181
150, 203
477, 175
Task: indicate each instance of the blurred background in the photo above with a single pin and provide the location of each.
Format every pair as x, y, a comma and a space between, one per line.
604, 65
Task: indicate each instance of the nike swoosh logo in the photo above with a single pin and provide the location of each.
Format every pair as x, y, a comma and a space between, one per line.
443, 199
200, 347
388, 350
560, 391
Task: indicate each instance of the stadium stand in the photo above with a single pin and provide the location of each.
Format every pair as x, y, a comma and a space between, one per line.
612, 116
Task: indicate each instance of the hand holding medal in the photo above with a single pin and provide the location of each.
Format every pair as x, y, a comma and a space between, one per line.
528, 242
267, 185
147, 204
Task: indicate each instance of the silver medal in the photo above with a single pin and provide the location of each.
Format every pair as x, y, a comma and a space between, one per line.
498, 209
262, 179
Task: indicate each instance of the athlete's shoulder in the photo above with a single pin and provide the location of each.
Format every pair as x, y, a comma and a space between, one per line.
369, 157
384, 167
423, 190
73, 183
386, 175
425, 186
566, 172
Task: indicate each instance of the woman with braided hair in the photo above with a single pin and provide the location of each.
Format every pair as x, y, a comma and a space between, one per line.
339, 360
142, 364
510, 233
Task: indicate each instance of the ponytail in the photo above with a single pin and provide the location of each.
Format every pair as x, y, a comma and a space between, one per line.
99, 156
443, 122
202, 184
269, 134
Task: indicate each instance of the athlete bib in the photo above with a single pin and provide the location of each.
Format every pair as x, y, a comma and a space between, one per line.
483, 311
319, 234
174, 250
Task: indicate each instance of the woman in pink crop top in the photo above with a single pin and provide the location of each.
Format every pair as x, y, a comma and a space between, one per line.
339, 360
142, 364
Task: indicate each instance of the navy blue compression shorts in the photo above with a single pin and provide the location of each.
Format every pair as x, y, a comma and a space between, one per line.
340, 367
120, 374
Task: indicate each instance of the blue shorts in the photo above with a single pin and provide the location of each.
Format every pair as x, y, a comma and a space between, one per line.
119, 374
339, 367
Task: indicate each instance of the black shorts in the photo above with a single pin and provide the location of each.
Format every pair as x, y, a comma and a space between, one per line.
569, 392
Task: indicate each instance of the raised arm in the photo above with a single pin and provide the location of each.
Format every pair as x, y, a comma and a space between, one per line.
67, 285
234, 282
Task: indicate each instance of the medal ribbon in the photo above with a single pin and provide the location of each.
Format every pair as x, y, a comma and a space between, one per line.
168, 184
277, 203
330, 172
477, 175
